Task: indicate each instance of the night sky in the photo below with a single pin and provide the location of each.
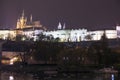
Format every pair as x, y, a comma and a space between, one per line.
90, 14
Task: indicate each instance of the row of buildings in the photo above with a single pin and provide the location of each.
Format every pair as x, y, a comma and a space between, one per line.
31, 29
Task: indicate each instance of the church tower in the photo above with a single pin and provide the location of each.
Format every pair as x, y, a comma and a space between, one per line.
21, 22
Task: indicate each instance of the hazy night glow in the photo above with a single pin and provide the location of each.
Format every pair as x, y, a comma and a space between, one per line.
90, 14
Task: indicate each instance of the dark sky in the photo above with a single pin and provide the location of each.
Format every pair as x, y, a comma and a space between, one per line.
90, 14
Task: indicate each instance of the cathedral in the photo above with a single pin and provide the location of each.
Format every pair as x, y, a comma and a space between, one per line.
28, 27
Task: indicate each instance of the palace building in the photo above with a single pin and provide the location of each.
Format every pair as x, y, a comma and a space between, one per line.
29, 28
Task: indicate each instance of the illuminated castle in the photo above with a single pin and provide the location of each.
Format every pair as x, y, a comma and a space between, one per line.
23, 22
29, 28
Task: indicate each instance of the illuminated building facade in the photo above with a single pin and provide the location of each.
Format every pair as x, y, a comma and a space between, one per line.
78, 35
5, 34
21, 23
23, 27
31, 29
28, 28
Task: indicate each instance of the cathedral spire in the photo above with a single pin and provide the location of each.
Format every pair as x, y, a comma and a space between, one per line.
31, 18
23, 13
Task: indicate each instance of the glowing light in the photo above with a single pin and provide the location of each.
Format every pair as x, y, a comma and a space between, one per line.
13, 60
11, 78
112, 77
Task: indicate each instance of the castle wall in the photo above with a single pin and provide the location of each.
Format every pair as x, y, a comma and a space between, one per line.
80, 34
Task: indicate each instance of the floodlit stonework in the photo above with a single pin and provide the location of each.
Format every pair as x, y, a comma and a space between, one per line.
32, 29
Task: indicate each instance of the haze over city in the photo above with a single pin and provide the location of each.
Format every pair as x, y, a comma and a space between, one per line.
90, 14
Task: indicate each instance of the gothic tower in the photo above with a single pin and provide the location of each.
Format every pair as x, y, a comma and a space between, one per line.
21, 22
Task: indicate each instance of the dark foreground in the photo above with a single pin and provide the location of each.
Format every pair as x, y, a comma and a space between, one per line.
51, 72
62, 76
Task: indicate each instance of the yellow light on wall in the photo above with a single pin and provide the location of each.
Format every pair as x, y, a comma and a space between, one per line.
13, 60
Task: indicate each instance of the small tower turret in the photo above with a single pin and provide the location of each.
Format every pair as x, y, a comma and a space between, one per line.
64, 26
59, 26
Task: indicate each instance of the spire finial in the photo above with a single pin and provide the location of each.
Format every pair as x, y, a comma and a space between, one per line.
31, 18
23, 13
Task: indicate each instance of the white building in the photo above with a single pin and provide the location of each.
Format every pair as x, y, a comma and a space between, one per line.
77, 35
32, 29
